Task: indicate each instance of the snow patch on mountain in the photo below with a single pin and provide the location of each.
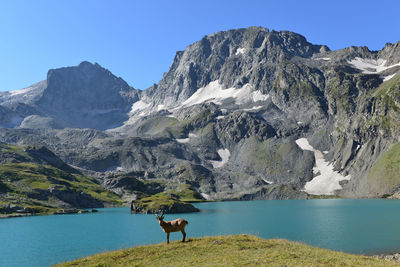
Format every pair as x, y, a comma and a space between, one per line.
327, 180
205, 196
115, 168
370, 66
304, 145
258, 96
182, 140
214, 92
225, 155
140, 109
21, 91
240, 51
253, 108
26, 95
139, 105
387, 78
267, 181
186, 140
160, 107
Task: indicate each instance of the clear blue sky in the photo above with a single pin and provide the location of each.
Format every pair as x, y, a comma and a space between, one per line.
137, 40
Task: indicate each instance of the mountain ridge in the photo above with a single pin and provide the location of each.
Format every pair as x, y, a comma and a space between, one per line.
227, 118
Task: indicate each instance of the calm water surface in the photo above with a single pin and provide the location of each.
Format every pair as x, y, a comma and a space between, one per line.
356, 226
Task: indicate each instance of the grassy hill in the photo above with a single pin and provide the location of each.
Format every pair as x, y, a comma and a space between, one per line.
236, 250
35, 181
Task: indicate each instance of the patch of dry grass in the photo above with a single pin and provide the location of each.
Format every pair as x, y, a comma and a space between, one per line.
236, 250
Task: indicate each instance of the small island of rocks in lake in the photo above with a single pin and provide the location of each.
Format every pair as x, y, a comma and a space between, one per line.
167, 203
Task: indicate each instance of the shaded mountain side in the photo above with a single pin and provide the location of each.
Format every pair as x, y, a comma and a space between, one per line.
84, 96
87, 96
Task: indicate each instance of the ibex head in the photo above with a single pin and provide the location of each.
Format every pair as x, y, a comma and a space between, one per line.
161, 217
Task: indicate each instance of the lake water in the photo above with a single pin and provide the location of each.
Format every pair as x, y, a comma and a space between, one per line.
358, 226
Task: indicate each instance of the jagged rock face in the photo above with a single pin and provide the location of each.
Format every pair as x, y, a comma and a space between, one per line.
238, 126
391, 53
226, 118
234, 58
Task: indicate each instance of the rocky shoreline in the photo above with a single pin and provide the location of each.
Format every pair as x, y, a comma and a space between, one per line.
176, 207
74, 211
389, 257
59, 212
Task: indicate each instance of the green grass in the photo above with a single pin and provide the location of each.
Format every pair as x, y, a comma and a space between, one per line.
154, 201
6, 148
387, 86
157, 126
237, 250
20, 180
183, 127
384, 175
157, 202
185, 193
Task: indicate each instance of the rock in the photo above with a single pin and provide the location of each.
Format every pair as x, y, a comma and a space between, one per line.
161, 203
83, 211
77, 199
275, 192
66, 211
391, 257
39, 122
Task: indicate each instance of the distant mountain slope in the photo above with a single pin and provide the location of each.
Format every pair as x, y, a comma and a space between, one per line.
85, 96
35, 181
241, 114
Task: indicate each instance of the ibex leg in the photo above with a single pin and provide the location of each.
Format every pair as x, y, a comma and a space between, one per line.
184, 235
167, 238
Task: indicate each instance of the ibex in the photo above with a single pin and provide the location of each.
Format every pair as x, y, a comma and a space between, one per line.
172, 226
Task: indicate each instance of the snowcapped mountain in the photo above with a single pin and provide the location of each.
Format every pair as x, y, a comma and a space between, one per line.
241, 114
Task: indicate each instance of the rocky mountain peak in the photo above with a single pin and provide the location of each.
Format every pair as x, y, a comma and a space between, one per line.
234, 58
83, 94
391, 52
84, 76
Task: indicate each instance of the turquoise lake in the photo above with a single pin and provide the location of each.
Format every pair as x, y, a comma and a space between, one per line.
369, 226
